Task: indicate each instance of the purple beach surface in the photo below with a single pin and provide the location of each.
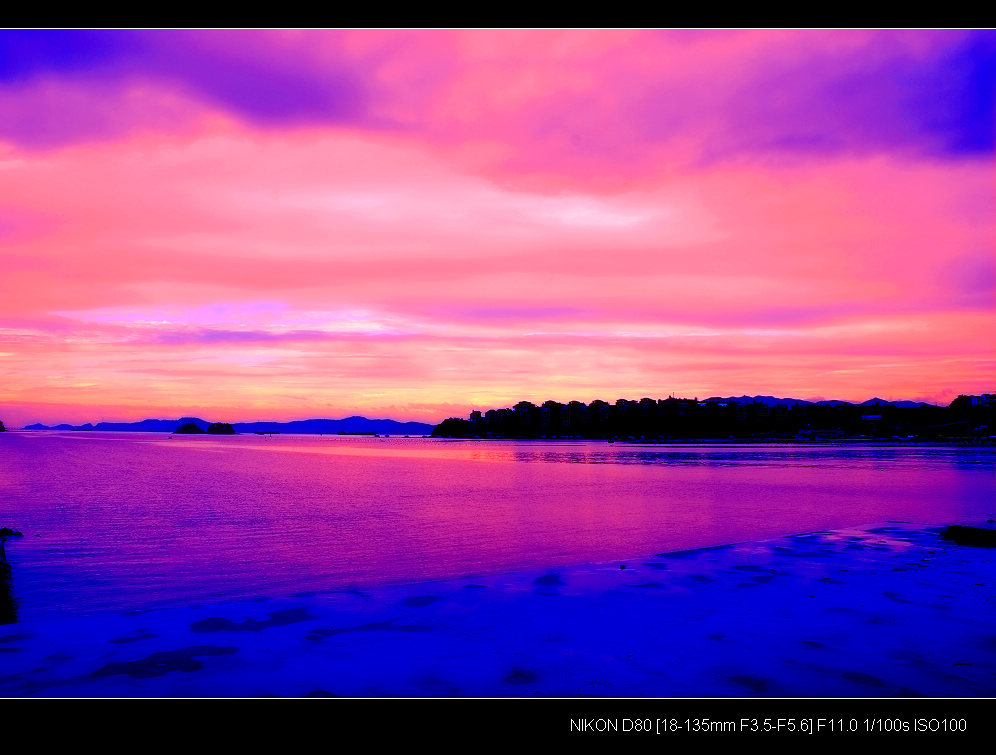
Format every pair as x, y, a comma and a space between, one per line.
883, 611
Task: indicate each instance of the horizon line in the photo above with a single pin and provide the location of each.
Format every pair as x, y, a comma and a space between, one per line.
473, 407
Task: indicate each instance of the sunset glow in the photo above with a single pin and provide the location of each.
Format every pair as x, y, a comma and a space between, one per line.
284, 224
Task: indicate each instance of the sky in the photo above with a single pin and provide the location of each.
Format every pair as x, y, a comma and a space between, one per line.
281, 224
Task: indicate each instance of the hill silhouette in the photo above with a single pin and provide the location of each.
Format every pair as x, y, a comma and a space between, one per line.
354, 425
744, 417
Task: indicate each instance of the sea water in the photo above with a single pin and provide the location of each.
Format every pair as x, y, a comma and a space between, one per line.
133, 521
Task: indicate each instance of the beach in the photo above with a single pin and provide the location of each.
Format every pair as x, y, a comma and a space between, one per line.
885, 610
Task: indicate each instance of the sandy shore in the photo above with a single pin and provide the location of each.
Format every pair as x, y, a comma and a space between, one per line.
882, 611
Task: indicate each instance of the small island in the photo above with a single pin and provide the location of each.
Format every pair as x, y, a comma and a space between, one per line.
215, 428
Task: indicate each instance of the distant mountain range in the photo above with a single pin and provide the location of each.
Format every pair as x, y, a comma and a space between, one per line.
363, 426
349, 425
772, 401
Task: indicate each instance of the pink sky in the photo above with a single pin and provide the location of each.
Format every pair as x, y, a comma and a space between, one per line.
278, 225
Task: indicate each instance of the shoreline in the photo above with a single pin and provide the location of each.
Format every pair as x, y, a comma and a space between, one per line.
968, 442
886, 610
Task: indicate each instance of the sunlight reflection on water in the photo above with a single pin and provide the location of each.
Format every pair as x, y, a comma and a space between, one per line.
140, 520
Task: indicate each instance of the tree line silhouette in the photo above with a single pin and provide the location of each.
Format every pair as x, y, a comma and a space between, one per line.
215, 428
968, 417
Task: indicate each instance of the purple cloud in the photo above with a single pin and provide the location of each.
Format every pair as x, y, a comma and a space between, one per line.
818, 93
239, 71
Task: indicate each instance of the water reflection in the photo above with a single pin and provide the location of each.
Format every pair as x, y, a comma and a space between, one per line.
148, 521
876, 457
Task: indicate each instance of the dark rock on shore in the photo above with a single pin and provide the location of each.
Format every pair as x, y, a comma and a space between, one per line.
8, 606
962, 535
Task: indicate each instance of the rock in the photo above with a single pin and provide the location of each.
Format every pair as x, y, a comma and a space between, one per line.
980, 536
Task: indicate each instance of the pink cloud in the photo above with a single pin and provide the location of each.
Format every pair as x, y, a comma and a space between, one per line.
491, 217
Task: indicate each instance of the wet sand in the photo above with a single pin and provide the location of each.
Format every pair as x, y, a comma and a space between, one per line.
887, 610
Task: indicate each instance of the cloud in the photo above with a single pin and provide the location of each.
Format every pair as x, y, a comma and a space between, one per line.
388, 218
219, 336
530, 102
66, 85
970, 280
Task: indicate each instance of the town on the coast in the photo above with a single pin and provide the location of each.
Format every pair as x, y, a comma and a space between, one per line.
967, 418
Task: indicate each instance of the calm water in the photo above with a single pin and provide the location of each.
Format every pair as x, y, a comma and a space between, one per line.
116, 521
